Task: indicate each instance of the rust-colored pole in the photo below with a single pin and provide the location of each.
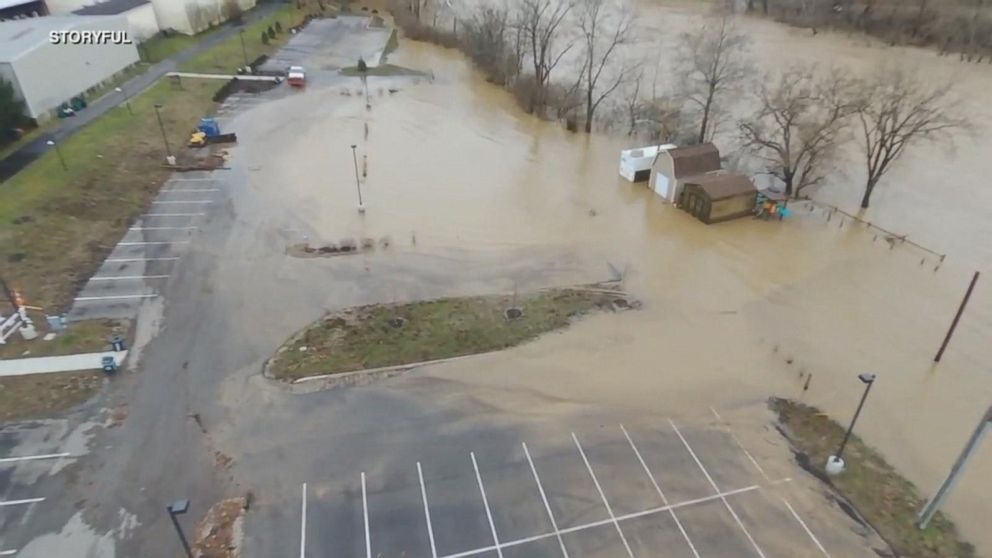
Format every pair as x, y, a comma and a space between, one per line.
957, 317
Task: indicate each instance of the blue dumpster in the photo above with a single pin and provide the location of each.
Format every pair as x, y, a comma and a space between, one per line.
118, 343
209, 126
109, 365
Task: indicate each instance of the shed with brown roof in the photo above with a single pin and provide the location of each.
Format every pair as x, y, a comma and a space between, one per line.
718, 197
672, 167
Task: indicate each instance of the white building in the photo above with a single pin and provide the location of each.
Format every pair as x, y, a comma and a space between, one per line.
45, 75
192, 16
141, 19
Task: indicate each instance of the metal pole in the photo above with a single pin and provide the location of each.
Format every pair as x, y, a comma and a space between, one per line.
954, 324
127, 100
161, 126
244, 51
182, 537
59, 153
847, 435
358, 184
931, 507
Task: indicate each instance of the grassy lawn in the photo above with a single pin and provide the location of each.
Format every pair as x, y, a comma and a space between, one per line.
128, 73
158, 49
363, 337
23, 397
228, 55
884, 498
89, 336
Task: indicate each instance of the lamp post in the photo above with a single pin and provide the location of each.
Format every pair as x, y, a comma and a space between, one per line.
51, 143
161, 127
358, 184
244, 51
127, 101
835, 463
180, 507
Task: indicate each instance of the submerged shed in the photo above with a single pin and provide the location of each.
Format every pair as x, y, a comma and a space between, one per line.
713, 198
635, 164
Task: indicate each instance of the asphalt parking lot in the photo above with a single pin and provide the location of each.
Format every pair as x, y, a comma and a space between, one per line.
617, 491
141, 263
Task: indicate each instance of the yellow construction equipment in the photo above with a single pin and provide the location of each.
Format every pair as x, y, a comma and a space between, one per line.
198, 139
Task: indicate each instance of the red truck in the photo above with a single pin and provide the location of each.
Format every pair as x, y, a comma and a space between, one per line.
296, 76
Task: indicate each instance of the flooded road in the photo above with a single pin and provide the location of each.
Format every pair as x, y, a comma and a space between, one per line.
733, 313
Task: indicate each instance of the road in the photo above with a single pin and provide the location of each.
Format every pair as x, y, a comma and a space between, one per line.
24, 155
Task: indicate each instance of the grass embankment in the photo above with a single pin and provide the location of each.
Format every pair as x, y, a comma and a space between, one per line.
23, 397
364, 337
91, 336
228, 55
885, 499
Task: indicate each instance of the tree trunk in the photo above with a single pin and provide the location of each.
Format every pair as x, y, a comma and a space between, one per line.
764, 6
869, 187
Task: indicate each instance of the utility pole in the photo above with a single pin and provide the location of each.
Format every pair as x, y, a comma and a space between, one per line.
931, 507
127, 100
358, 183
835, 463
51, 143
161, 127
954, 324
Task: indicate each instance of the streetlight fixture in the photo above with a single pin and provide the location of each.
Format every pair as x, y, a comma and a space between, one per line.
51, 143
161, 127
244, 51
835, 463
358, 184
179, 507
127, 101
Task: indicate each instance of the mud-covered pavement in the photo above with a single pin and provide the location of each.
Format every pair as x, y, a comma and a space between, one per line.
476, 197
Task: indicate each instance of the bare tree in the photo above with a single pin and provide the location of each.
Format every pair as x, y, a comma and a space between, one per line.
485, 39
541, 22
798, 124
896, 110
715, 62
604, 26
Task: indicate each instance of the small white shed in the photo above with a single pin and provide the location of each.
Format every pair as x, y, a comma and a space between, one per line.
635, 164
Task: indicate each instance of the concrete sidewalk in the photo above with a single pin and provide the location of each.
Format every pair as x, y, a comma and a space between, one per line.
66, 363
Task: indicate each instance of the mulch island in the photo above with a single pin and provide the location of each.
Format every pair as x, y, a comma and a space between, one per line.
381, 335
880, 495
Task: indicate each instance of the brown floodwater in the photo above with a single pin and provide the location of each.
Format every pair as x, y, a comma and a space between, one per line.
733, 312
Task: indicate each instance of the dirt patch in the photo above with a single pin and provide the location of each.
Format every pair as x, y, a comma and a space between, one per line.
219, 534
875, 493
37, 395
383, 335
347, 246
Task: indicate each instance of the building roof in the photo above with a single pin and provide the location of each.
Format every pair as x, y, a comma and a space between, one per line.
695, 159
720, 186
110, 7
19, 36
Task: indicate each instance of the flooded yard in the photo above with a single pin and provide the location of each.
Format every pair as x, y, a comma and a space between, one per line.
733, 313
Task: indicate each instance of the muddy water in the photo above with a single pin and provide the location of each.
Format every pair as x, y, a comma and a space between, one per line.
733, 313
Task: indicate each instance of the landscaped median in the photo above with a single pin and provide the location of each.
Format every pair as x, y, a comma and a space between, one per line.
882, 497
385, 335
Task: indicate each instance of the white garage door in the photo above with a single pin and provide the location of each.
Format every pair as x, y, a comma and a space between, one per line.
661, 185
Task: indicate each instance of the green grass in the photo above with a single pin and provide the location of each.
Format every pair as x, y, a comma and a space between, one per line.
128, 73
38, 395
888, 501
158, 49
362, 337
228, 55
88, 336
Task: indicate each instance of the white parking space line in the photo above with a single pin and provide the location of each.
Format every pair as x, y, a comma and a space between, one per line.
303, 522
127, 277
716, 489
741, 445
179, 202
113, 297
7, 552
620, 518
806, 528
123, 260
6, 503
664, 500
365, 508
161, 228
193, 179
34, 457
427, 510
485, 501
152, 243
609, 510
544, 498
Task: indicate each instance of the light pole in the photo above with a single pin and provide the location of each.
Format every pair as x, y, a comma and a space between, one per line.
161, 126
127, 101
358, 184
51, 143
244, 51
180, 507
835, 463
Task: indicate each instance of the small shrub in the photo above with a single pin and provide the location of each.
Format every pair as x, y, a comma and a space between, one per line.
278, 27
265, 38
271, 32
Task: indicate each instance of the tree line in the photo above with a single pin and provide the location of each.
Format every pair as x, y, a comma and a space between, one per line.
567, 59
